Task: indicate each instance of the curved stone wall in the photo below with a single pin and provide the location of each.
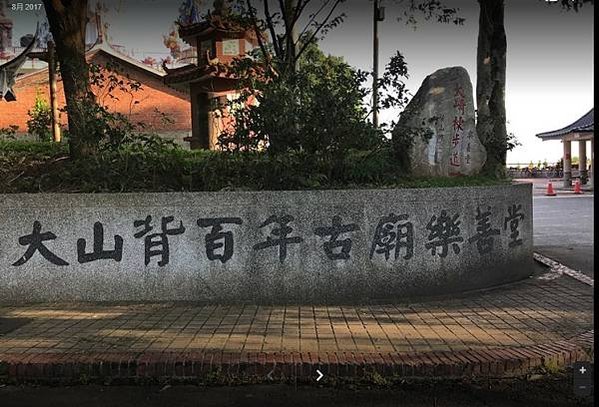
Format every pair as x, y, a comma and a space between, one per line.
344, 246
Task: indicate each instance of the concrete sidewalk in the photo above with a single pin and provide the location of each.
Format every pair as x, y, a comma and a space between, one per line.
546, 320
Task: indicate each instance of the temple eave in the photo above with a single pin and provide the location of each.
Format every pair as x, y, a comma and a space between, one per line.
207, 29
195, 76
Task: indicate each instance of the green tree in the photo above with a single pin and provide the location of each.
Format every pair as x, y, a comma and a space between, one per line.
293, 26
67, 20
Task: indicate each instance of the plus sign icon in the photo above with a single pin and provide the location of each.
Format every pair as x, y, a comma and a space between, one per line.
583, 379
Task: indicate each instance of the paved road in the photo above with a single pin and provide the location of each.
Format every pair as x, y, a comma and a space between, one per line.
563, 229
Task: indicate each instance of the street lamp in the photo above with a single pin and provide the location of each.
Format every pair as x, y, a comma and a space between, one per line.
378, 15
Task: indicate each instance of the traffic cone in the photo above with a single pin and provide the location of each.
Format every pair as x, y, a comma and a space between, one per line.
550, 191
577, 189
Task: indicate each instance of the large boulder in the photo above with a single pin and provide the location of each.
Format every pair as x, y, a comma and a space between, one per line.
436, 133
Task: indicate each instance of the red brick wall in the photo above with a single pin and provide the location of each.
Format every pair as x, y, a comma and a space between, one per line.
154, 94
15, 113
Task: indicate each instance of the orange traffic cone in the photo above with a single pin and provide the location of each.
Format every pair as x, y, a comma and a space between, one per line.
550, 191
577, 189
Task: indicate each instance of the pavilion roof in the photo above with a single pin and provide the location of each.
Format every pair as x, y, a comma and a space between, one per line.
214, 23
193, 73
583, 125
186, 73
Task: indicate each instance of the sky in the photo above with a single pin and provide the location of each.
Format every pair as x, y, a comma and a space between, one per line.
549, 77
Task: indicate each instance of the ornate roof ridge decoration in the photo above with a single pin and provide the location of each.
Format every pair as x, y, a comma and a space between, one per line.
585, 124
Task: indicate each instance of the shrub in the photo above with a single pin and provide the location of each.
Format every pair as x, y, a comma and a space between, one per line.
318, 109
149, 164
40, 119
8, 133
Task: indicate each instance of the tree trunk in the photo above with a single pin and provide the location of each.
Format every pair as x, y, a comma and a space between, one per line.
291, 35
67, 20
490, 85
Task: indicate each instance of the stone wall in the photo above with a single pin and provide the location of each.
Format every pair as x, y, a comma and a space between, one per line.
343, 246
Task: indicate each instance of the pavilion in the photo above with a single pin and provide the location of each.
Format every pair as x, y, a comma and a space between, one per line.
219, 38
582, 130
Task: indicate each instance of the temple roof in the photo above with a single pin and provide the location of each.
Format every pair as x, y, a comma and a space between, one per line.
106, 49
194, 73
187, 73
215, 23
583, 125
110, 50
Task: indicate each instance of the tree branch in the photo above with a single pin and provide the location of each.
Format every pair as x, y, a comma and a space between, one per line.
313, 17
305, 46
257, 31
271, 27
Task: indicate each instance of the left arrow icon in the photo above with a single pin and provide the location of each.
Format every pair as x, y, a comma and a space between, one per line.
320, 375
269, 375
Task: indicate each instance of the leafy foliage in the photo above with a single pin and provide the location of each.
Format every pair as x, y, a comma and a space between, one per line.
153, 166
319, 109
576, 5
40, 119
512, 141
430, 9
9, 132
392, 90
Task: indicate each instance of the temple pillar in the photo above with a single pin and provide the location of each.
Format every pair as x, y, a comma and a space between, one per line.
212, 130
582, 161
215, 126
200, 107
567, 163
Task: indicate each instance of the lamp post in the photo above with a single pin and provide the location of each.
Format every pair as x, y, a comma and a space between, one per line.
378, 15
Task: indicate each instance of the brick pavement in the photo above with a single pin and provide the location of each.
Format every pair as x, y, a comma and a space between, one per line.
512, 330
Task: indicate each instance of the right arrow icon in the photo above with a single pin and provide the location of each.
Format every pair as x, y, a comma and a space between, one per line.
320, 375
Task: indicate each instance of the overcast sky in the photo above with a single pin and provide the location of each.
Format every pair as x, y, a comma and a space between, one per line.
549, 57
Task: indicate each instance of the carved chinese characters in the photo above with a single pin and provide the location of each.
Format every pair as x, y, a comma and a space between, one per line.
437, 128
335, 246
394, 237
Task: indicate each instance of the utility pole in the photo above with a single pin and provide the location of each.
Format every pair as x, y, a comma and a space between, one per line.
56, 137
378, 15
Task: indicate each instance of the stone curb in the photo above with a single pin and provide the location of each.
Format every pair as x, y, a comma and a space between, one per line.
231, 367
559, 268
